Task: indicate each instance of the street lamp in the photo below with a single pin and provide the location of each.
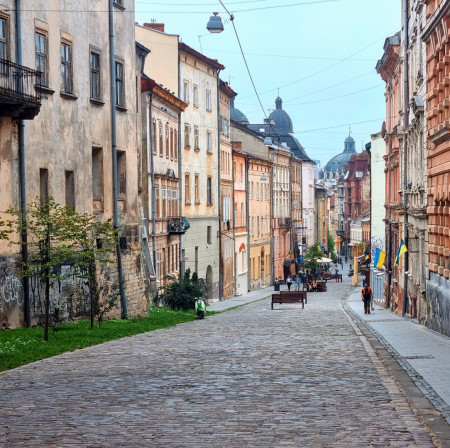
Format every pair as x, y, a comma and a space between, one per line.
215, 24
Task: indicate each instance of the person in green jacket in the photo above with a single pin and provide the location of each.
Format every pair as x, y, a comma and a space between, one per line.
200, 308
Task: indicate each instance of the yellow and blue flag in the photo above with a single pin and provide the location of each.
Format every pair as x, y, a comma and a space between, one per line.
401, 250
380, 256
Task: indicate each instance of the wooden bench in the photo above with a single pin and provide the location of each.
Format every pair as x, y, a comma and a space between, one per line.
337, 277
290, 297
321, 286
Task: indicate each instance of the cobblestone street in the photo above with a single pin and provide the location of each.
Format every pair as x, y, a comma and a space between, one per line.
249, 377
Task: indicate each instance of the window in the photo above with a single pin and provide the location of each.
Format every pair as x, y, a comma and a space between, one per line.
186, 91
171, 144
161, 140
122, 174
120, 101
195, 96
208, 100
3, 43
187, 133
66, 68
208, 235
196, 139
167, 141
175, 145
209, 190
187, 188
43, 185
197, 189
70, 189
158, 202
97, 174
155, 141
209, 142
41, 55
242, 215
95, 76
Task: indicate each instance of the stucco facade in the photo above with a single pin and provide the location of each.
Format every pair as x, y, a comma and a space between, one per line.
241, 237
68, 145
308, 201
199, 77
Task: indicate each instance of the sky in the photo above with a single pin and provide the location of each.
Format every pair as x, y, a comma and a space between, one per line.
320, 54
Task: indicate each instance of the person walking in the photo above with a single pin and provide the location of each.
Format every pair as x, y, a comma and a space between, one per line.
366, 296
200, 308
297, 282
289, 282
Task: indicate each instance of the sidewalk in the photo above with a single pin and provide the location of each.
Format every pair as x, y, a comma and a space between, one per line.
423, 353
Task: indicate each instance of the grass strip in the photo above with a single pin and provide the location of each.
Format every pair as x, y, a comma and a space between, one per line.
24, 345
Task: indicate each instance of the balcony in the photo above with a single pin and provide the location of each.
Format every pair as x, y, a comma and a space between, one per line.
177, 226
18, 95
285, 222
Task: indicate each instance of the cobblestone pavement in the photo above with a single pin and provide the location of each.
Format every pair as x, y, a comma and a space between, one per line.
249, 377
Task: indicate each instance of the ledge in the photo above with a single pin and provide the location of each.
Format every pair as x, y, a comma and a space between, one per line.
68, 96
119, 6
121, 109
97, 102
44, 89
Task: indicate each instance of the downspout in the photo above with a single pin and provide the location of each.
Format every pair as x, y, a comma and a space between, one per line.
291, 233
389, 242
247, 220
114, 156
22, 178
219, 165
234, 220
272, 221
152, 168
180, 172
405, 150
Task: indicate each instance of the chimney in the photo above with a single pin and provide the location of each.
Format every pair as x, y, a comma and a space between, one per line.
155, 26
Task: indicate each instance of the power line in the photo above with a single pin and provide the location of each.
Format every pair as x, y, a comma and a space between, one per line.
340, 125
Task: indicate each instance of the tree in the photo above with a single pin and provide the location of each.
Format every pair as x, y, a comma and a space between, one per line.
180, 294
49, 227
313, 253
331, 247
95, 241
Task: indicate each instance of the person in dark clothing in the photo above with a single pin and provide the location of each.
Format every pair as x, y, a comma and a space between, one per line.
366, 296
289, 282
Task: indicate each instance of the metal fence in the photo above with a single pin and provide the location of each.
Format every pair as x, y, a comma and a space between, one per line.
377, 283
19, 82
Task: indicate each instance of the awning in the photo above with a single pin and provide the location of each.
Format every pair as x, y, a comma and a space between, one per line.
287, 262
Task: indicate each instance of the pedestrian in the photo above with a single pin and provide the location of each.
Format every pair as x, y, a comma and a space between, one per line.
297, 282
346, 258
342, 266
289, 281
366, 296
336, 270
200, 308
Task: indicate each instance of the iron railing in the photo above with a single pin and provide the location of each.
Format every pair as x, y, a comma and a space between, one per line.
18, 83
178, 226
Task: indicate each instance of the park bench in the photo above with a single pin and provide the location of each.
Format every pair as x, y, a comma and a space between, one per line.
321, 286
290, 297
337, 277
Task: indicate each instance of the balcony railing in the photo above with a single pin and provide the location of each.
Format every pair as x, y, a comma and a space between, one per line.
285, 222
19, 97
178, 226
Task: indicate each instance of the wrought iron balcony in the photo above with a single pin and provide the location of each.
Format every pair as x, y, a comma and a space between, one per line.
178, 226
285, 222
19, 97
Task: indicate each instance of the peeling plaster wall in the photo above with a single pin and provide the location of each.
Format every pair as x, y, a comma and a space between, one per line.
438, 304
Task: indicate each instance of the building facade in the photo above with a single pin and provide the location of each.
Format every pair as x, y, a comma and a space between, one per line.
436, 36
199, 77
70, 144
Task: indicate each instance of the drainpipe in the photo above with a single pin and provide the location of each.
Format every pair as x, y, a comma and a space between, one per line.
389, 242
272, 221
180, 171
152, 168
114, 155
234, 221
22, 178
247, 219
405, 149
219, 165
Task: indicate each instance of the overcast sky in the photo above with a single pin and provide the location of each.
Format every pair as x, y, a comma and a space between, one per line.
321, 54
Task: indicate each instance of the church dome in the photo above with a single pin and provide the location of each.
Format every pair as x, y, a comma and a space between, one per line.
334, 167
280, 117
236, 114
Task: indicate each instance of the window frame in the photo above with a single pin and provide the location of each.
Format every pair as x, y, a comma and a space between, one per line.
41, 55
95, 71
209, 142
209, 195
196, 138
120, 83
66, 67
208, 100
195, 95
187, 188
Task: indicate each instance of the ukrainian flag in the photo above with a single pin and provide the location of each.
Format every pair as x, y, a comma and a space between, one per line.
380, 256
401, 250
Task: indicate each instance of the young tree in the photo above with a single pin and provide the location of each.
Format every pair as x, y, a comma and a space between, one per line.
95, 241
49, 227
313, 253
331, 245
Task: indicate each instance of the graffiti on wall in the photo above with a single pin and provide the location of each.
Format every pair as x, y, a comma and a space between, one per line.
376, 243
10, 285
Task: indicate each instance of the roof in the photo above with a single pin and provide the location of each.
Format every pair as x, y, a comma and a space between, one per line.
227, 88
337, 162
281, 117
236, 114
212, 62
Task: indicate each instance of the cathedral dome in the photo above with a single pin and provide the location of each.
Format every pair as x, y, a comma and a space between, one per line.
334, 167
280, 117
236, 114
